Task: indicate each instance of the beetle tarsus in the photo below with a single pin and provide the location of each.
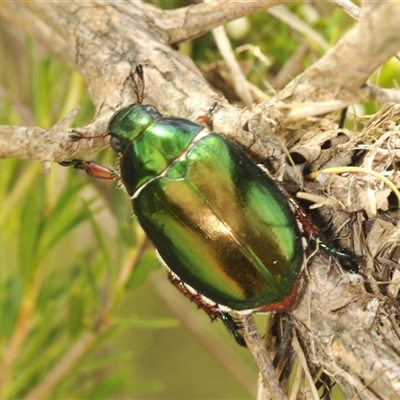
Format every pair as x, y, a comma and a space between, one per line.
233, 327
341, 253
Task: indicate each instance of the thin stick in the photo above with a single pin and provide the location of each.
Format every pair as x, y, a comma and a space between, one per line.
261, 358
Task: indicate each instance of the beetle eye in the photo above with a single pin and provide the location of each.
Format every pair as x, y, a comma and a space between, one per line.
116, 144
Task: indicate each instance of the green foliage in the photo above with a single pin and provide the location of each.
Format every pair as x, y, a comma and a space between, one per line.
63, 273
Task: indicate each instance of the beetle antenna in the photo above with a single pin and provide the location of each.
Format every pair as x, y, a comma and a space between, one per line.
74, 137
140, 93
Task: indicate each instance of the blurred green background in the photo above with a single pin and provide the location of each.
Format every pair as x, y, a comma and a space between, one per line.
86, 312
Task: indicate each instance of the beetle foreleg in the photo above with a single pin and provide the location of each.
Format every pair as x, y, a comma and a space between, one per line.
91, 168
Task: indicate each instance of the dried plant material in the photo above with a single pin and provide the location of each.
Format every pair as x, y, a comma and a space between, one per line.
240, 82
323, 147
300, 111
338, 348
359, 194
394, 285
381, 236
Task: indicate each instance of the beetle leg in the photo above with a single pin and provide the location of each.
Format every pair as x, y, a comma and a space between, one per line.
312, 233
309, 228
233, 327
350, 258
213, 311
91, 168
206, 118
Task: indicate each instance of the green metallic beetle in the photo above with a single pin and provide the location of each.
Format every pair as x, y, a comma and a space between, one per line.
225, 230
216, 219
221, 225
